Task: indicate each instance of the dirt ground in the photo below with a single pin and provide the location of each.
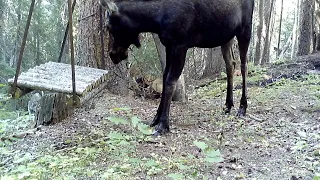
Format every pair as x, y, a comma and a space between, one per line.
278, 139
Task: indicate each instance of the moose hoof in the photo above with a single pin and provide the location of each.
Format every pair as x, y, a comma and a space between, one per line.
155, 121
161, 129
227, 110
241, 111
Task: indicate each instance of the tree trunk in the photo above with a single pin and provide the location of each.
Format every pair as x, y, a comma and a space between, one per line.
279, 35
313, 30
317, 21
266, 49
304, 44
251, 46
257, 53
213, 63
15, 52
52, 108
88, 51
295, 30
180, 91
2, 45
285, 47
36, 34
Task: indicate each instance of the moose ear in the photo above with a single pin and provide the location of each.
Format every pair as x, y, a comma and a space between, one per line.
109, 6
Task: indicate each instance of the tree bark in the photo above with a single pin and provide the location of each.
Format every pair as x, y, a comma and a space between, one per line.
266, 49
2, 45
36, 31
279, 35
15, 52
88, 51
213, 63
285, 47
180, 91
52, 108
257, 53
295, 30
305, 32
317, 21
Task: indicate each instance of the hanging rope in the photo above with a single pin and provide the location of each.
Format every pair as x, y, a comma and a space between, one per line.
72, 54
65, 35
23, 45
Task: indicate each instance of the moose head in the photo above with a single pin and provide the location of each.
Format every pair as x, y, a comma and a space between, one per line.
122, 32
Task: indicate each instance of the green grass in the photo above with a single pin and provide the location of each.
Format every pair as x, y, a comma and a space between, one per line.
114, 156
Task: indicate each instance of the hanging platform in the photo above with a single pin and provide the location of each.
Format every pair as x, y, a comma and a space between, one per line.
54, 79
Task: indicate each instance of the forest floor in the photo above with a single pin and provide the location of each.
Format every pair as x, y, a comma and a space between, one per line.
107, 139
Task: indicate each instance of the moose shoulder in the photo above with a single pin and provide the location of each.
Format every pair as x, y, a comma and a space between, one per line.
182, 24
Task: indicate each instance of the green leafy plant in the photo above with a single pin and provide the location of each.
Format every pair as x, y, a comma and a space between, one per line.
210, 155
133, 121
176, 176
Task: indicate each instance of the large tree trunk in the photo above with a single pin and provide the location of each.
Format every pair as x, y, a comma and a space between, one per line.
89, 48
257, 53
87, 51
213, 63
266, 49
305, 32
180, 91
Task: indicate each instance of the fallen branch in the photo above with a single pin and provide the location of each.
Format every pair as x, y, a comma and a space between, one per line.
83, 145
20, 135
5, 162
252, 117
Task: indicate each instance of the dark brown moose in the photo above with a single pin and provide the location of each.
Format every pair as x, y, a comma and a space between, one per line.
182, 24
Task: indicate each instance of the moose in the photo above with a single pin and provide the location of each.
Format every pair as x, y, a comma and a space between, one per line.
180, 25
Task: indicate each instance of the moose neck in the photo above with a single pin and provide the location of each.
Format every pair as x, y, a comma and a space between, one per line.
143, 14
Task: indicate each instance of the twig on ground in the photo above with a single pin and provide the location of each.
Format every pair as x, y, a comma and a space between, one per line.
20, 135
83, 145
252, 117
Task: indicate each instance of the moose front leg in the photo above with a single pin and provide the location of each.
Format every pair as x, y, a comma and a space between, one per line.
173, 70
156, 118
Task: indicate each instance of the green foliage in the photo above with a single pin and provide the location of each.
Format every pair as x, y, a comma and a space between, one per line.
176, 176
44, 37
211, 155
6, 71
214, 89
201, 145
117, 120
146, 59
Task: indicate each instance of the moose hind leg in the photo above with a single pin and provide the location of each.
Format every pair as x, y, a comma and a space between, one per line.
178, 55
226, 52
243, 42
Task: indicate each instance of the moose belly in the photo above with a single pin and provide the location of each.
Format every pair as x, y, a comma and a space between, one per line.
211, 40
